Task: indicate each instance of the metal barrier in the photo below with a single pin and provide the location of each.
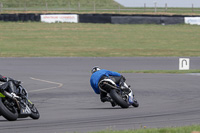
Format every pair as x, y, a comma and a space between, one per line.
108, 18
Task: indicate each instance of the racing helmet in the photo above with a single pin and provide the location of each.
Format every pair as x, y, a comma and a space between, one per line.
94, 69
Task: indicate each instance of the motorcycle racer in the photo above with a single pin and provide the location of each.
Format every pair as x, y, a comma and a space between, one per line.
10, 85
14, 102
100, 74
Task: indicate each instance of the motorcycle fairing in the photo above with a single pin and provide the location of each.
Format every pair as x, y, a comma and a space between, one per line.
1, 95
25, 111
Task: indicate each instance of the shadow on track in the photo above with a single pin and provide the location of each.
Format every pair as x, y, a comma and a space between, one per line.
103, 108
19, 119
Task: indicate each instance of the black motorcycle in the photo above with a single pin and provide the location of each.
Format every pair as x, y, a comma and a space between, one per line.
17, 105
122, 96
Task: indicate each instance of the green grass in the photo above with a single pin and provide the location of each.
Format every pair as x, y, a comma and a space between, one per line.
57, 2
160, 71
35, 39
86, 6
73, 4
186, 129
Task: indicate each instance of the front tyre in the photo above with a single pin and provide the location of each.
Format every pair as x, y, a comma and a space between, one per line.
8, 112
114, 94
35, 113
135, 103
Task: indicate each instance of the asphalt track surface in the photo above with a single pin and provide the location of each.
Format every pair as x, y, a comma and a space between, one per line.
61, 91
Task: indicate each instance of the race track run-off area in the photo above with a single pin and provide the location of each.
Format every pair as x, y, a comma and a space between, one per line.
60, 89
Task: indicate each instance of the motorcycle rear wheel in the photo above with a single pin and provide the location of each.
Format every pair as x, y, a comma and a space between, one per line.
118, 99
10, 114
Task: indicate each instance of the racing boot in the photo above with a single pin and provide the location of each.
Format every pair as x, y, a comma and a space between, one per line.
105, 99
108, 99
113, 103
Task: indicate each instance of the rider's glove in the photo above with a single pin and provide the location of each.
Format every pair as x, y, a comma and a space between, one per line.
17, 82
14, 95
122, 80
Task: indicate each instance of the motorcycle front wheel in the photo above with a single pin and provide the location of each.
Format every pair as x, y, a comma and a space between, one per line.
115, 95
135, 103
35, 113
8, 112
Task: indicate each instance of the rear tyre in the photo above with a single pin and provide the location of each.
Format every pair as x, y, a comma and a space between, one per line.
9, 113
118, 99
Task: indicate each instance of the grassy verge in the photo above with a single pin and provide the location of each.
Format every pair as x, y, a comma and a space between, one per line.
186, 129
160, 71
87, 6
97, 40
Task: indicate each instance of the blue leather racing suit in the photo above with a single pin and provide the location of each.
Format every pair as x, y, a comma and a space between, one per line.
96, 76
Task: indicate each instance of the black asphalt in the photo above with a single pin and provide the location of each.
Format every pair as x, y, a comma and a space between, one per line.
61, 91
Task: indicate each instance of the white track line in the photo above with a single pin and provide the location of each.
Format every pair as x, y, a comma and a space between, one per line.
44, 89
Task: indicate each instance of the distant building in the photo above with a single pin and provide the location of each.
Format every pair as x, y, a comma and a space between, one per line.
160, 3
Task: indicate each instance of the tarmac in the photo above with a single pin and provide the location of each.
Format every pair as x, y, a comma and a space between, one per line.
60, 89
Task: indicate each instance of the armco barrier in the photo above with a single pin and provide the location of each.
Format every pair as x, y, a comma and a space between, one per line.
6, 17
172, 20
23, 17
105, 18
1, 17
20, 17
146, 20
13, 17
130, 19
92, 18
135, 20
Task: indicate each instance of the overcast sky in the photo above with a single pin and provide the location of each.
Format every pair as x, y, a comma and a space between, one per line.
159, 3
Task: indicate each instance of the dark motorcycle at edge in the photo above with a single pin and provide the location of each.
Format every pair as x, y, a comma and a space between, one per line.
121, 96
19, 106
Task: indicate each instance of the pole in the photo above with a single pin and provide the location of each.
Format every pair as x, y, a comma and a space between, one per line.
79, 5
165, 7
46, 4
94, 6
155, 3
192, 7
69, 6
0, 7
25, 6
